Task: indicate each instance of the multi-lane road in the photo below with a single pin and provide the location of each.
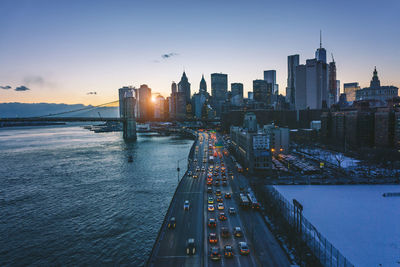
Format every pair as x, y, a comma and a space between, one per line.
170, 247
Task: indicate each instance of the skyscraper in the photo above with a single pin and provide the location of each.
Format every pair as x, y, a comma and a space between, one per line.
311, 85
203, 85
236, 94
350, 91
293, 62
219, 88
320, 54
262, 91
332, 83
145, 105
184, 87
172, 101
270, 77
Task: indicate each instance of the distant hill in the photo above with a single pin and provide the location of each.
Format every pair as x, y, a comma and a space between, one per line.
13, 110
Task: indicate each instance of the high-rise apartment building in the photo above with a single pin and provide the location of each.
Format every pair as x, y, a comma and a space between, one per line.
293, 62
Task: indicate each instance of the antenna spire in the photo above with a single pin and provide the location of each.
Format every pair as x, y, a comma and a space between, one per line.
333, 59
320, 38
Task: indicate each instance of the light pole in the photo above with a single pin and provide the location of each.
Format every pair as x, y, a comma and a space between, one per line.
177, 168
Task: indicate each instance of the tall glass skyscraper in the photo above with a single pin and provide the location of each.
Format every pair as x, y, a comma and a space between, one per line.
293, 62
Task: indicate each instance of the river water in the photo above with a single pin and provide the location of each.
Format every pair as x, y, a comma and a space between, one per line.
69, 196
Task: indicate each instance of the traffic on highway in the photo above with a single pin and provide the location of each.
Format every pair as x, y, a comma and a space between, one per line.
208, 222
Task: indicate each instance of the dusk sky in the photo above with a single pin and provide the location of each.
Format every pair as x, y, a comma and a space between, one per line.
62, 50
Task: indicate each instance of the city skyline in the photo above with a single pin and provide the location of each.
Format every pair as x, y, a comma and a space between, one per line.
82, 52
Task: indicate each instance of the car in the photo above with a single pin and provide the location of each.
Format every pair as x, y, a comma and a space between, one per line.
195, 160
237, 232
225, 232
197, 169
211, 207
244, 248
190, 247
232, 210
221, 206
186, 205
224, 178
212, 238
203, 169
210, 200
218, 192
224, 183
189, 173
216, 183
195, 176
214, 254
228, 251
222, 216
209, 181
209, 189
212, 223
220, 199
172, 223
228, 195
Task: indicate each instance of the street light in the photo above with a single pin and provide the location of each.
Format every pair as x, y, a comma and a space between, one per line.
177, 168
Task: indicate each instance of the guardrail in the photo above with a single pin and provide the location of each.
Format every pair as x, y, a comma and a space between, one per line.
156, 242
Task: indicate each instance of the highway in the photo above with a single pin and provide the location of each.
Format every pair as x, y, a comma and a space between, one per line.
170, 249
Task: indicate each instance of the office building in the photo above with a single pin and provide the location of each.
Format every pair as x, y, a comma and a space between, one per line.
278, 138
262, 91
184, 87
219, 89
159, 108
350, 90
312, 85
293, 62
236, 94
332, 97
270, 77
145, 108
376, 92
320, 54
251, 148
203, 86
250, 95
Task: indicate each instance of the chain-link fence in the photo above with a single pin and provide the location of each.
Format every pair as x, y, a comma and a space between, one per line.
322, 249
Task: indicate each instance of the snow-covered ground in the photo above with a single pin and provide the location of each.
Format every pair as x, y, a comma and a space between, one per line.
332, 157
357, 220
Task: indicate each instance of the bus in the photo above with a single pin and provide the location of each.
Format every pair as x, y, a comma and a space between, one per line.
253, 201
244, 201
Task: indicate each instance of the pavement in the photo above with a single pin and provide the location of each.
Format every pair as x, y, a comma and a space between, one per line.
170, 247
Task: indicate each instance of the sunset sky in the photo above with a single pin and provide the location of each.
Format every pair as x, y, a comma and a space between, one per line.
62, 50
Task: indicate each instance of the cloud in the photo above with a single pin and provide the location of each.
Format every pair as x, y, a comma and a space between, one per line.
34, 80
92, 93
5, 87
22, 88
169, 55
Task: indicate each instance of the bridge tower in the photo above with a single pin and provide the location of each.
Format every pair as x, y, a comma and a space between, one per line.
129, 116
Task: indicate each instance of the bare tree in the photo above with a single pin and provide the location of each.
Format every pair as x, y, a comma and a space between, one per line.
339, 157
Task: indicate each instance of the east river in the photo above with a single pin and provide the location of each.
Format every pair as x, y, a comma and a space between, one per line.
70, 197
